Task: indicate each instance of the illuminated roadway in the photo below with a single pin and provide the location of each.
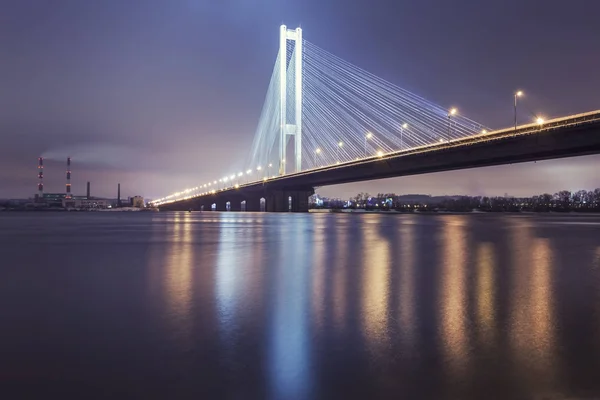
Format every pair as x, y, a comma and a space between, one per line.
575, 135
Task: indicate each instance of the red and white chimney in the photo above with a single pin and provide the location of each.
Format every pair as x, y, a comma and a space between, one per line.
68, 185
41, 177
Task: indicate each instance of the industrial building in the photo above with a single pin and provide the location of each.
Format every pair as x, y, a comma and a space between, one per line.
68, 201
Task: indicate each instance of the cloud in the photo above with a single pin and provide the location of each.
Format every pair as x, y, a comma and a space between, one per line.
115, 156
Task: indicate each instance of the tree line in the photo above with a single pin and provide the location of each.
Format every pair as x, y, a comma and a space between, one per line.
562, 201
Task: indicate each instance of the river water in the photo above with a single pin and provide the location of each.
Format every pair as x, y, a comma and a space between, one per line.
298, 306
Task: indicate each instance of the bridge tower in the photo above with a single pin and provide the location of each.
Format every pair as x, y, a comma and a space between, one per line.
290, 129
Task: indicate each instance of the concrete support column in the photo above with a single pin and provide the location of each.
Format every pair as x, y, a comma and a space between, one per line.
300, 200
235, 205
277, 201
253, 204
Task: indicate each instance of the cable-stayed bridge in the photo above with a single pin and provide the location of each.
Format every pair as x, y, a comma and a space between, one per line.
326, 121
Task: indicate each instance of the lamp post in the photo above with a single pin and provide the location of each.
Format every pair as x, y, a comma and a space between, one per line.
517, 94
317, 152
258, 169
340, 145
368, 136
450, 114
402, 128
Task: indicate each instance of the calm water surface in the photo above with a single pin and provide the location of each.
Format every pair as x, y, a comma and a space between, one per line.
314, 306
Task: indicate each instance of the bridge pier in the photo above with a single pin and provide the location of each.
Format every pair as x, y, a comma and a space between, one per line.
300, 200
235, 205
253, 204
278, 201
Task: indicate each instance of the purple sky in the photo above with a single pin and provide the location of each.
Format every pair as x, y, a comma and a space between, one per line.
164, 94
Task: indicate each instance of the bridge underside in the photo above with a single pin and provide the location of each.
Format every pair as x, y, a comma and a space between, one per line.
251, 199
544, 144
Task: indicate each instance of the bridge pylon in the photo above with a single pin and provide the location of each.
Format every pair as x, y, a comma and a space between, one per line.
290, 128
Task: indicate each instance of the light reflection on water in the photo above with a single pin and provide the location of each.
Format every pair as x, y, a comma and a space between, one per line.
452, 294
532, 328
307, 306
289, 369
407, 293
375, 290
178, 265
486, 268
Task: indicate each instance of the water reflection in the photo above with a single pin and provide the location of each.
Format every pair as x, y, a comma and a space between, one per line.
486, 288
319, 266
407, 283
452, 304
304, 306
532, 328
541, 302
289, 339
178, 276
375, 292
340, 269
229, 272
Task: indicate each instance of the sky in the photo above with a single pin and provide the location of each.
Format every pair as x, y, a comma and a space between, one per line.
160, 95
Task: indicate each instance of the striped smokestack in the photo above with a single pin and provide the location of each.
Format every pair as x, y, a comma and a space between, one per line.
41, 177
68, 185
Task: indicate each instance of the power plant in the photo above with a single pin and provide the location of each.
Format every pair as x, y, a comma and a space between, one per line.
68, 201
68, 185
41, 176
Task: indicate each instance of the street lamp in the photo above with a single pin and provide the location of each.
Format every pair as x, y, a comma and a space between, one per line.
317, 152
367, 137
540, 121
452, 112
517, 94
402, 128
258, 169
340, 145
484, 131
